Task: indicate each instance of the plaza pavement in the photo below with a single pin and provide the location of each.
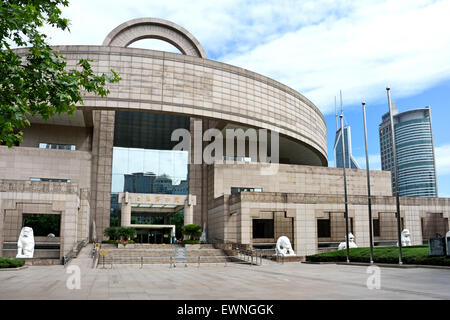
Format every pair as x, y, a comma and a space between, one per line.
233, 281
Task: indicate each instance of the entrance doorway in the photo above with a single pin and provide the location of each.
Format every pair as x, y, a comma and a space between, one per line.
154, 236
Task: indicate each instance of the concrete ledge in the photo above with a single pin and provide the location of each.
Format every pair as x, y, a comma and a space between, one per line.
288, 259
385, 265
42, 262
13, 269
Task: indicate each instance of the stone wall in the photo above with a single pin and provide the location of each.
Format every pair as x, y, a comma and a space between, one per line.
56, 134
307, 208
299, 179
23, 163
19, 197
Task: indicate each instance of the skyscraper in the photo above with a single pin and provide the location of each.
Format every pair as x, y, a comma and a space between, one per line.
350, 161
415, 152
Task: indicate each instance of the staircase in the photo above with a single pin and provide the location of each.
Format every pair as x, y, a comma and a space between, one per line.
164, 254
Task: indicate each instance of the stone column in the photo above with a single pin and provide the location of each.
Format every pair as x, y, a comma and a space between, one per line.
188, 213
102, 149
189, 204
125, 216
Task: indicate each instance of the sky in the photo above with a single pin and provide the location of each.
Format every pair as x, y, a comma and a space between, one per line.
316, 47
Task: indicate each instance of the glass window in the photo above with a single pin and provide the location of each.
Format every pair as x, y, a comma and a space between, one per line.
57, 146
143, 157
323, 228
263, 228
235, 190
376, 227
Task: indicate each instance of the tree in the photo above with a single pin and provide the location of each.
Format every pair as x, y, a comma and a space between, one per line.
192, 231
178, 220
112, 233
127, 233
37, 81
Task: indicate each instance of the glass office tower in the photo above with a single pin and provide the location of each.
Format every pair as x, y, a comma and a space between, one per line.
350, 161
415, 152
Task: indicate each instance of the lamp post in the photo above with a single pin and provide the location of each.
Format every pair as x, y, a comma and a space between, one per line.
394, 158
369, 199
345, 188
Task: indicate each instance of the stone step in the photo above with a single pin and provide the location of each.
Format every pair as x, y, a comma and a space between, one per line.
163, 260
160, 252
164, 254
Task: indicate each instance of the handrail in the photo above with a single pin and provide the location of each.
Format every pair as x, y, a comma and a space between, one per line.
73, 252
140, 260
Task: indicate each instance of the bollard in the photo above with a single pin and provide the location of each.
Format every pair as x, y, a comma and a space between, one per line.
198, 262
170, 265
142, 262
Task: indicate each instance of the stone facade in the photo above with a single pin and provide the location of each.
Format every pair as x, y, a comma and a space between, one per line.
307, 194
30, 197
233, 221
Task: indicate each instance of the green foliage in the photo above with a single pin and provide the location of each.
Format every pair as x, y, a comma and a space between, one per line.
37, 81
127, 233
192, 231
118, 241
178, 220
11, 262
119, 233
410, 255
113, 221
43, 224
112, 233
191, 241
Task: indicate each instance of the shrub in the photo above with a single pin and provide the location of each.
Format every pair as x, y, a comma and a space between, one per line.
191, 241
112, 233
410, 255
11, 262
192, 231
127, 233
118, 241
116, 233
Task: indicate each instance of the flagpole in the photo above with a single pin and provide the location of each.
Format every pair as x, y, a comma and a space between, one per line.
345, 187
369, 199
397, 198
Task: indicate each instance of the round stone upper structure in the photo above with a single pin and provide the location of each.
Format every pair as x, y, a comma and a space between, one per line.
191, 85
152, 28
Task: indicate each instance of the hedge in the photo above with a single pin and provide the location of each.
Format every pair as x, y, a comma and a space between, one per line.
191, 242
410, 255
11, 262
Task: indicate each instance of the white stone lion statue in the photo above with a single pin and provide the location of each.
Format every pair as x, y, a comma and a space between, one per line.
405, 238
284, 247
25, 244
351, 242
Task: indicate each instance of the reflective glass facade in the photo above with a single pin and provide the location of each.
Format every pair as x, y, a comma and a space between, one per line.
414, 150
350, 162
143, 159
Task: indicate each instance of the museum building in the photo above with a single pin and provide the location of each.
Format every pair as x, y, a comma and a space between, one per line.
114, 162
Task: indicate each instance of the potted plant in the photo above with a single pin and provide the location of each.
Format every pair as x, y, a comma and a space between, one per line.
121, 236
126, 234
191, 234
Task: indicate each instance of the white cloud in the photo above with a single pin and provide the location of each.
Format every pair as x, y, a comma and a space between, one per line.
315, 46
401, 44
374, 162
442, 154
